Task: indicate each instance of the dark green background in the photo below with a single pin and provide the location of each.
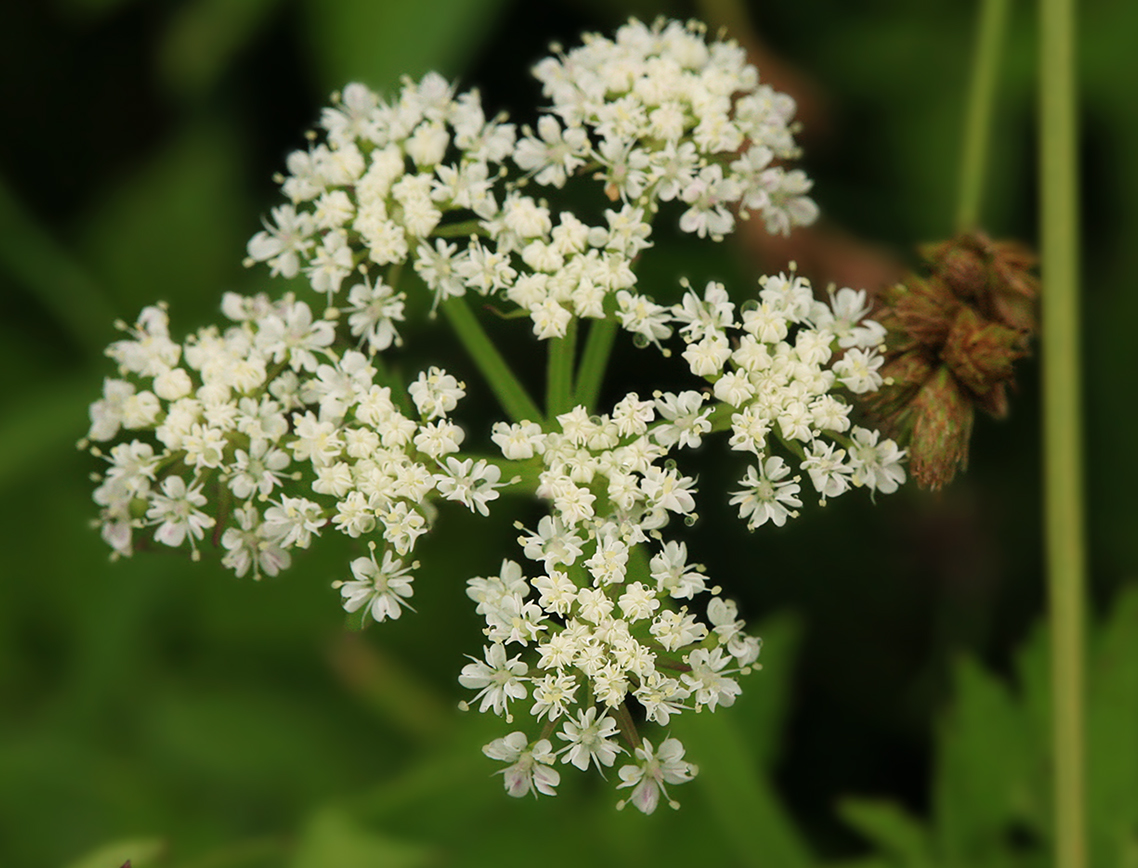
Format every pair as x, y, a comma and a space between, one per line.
218, 722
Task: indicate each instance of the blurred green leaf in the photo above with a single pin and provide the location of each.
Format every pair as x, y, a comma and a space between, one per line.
389, 688
49, 271
892, 829
203, 39
1112, 737
761, 711
333, 839
987, 775
378, 43
142, 853
176, 230
34, 433
733, 746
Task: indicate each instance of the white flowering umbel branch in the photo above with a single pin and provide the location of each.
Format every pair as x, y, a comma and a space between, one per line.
281, 426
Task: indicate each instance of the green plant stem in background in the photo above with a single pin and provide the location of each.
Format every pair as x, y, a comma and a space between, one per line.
559, 386
1062, 435
50, 274
505, 386
594, 362
991, 25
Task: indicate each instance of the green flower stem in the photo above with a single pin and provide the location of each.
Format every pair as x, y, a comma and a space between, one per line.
627, 726
459, 230
990, 27
594, 362
1062, 435
559, 384
505, 386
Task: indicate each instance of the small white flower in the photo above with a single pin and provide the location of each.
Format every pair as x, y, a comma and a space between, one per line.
531, 770
829, 473
857, 370
553, 543
638, 602
643, 317
436, 392
655, 768
706, 679
551, 694
381, 590
590, 740
876, 465
374, 311
708, 195
257, 470
685, 423
473, 485
438, 269
293, 521
282, 244
497, 680
176, 512
709, 315
673, 575
766, 496
520, 441
247, 546
553, 156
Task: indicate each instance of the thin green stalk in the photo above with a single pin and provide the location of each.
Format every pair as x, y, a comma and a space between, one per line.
991, 23
509, 391
595, 361
559, 384
1062, 435
459, 230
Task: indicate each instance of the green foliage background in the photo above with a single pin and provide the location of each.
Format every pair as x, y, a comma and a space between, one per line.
166, 712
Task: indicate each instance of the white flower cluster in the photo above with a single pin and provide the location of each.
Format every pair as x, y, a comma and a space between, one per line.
774, 370
661, 114
667, 116
284, 425
265, 435
606, 619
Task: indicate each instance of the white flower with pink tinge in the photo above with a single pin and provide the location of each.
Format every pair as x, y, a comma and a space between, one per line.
532, 765
655, 768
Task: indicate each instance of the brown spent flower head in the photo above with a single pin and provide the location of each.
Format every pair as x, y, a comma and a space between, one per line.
996, 275
954, 336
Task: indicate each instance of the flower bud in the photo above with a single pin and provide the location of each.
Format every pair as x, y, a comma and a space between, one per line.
920, 311
981, 353
891, 405
954, 337
942, 424
995, 276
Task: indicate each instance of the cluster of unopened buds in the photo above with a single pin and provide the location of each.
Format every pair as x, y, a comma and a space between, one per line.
955, 334
285, 425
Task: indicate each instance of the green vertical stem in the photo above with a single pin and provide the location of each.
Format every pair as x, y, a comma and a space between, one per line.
594, 362
1062, 435
559, 385
509, 391
991, 24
